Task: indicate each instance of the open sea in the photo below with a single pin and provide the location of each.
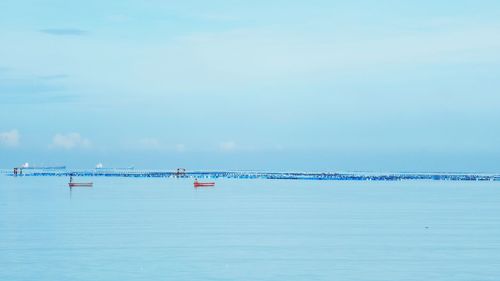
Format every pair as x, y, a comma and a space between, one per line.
164, 229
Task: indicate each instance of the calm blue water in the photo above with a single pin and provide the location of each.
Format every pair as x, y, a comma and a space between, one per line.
163, 229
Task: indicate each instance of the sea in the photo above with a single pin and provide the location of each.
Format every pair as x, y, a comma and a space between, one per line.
248, 229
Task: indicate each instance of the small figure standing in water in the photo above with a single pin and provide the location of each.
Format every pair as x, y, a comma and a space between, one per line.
70, 179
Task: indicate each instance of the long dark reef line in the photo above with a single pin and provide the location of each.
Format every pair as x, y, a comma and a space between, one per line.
353, 176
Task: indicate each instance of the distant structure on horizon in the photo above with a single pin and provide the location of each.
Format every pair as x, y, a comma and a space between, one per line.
180, 172
27, 166
100, 166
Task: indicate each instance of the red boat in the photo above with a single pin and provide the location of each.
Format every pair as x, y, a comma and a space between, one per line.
201, 184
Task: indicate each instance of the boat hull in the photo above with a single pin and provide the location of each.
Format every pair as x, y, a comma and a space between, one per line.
203, 184
80, 184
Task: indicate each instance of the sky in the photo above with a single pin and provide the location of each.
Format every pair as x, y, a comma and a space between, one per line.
261, 85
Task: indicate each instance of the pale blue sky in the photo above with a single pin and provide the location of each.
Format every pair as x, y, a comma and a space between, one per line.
280, 85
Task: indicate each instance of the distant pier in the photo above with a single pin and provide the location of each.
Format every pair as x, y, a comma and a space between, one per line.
350, 176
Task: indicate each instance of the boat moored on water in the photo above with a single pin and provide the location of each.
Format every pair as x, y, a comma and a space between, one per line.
203, 184
79, 184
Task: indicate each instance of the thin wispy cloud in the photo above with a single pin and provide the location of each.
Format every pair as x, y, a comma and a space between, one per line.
118, 18
155, 144
21, 85
28, 89
10, 138
245, 51
228, 146
54, 77
150, 144
180, 147
70, 141
64, 31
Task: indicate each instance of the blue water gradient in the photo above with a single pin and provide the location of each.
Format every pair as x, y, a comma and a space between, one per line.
164, 229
